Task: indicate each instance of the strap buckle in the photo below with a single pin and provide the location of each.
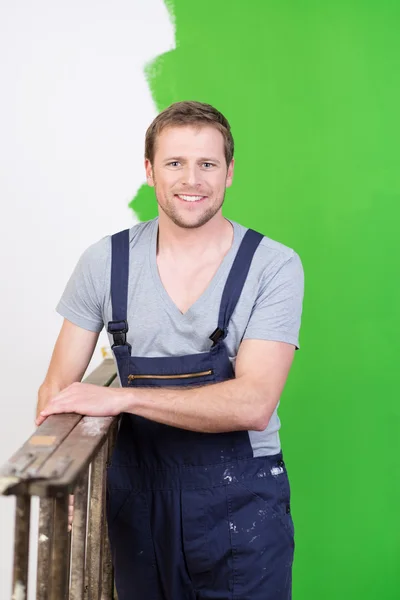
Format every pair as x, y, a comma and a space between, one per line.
216, 335
118, 330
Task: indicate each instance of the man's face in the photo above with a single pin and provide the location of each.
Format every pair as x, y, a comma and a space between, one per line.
189, 174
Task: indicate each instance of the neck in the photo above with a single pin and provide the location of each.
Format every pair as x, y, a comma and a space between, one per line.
215, 236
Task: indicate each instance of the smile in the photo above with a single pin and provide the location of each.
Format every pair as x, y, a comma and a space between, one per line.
190, 198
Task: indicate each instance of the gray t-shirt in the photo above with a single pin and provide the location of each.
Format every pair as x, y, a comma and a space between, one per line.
269, 307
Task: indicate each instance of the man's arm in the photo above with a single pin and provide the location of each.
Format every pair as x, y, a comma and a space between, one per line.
71, 355
244, 403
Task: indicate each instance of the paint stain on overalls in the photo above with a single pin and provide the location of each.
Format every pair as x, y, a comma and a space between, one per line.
192, 516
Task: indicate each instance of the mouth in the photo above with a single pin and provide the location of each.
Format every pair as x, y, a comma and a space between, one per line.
190, 197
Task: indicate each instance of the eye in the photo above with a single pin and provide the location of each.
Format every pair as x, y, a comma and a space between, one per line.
208, 165
173, 163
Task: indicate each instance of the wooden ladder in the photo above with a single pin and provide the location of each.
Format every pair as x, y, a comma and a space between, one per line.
67, 454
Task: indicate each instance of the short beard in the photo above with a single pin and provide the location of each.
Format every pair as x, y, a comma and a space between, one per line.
172, 214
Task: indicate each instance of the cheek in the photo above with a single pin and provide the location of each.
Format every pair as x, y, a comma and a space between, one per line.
219, 183
169, 183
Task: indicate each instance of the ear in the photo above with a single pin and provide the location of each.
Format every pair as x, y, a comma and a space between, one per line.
229, 175
149, 172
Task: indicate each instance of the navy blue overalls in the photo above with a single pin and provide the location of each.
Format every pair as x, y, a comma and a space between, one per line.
192, 516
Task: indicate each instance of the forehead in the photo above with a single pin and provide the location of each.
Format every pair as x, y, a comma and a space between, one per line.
190, 140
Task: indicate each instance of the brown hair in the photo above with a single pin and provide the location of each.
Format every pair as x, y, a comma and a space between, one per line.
189, 113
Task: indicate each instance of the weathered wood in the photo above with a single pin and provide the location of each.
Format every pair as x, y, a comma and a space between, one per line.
96, 525
27, 463
50, 464
107, 583
78, 553
107, 587
59, 570
21, 548
68, 573
104, 374
45, 538
63, 469
108, 559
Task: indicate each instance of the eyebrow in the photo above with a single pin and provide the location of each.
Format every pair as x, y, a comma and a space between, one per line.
202, 159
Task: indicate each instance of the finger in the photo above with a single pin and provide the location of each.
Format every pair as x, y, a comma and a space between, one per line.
55, 409
41, 418
71, 501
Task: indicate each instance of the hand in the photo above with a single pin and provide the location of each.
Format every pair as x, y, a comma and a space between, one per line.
70, 511
84, 399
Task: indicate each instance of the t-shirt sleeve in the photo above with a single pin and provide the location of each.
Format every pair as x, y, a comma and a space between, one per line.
83, 298
276, 314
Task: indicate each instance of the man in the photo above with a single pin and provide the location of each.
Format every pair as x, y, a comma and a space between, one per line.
203, 317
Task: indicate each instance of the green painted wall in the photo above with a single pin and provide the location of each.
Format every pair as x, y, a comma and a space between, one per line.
312, 90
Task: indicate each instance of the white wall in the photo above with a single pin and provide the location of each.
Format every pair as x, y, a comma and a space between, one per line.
74, 106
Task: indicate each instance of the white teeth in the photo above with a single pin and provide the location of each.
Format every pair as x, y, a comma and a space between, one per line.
189, 198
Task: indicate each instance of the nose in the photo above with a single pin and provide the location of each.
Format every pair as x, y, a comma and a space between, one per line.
191, 176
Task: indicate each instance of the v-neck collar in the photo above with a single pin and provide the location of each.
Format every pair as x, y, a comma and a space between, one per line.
223, 268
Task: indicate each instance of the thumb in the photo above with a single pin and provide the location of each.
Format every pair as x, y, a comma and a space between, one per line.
39, 420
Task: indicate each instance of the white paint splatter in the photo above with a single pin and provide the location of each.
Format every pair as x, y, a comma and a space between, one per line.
19, 591
43, 538
277, 470
251, 528
233, 527
228, 476
253, 538
94, 425
261, 474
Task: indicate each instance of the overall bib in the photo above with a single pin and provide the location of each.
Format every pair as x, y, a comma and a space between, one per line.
192, 516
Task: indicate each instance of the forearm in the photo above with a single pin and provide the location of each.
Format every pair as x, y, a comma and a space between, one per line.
244, 403
71, 355
232, 405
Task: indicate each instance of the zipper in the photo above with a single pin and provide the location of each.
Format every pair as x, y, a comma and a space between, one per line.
184, 376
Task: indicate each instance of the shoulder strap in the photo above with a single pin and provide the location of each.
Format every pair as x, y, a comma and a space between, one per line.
118, 327
235, 282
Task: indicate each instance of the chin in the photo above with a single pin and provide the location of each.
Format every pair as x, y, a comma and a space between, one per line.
193, 223
185, 220
188, 224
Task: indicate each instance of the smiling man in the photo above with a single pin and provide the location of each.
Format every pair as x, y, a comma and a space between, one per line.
203, 316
